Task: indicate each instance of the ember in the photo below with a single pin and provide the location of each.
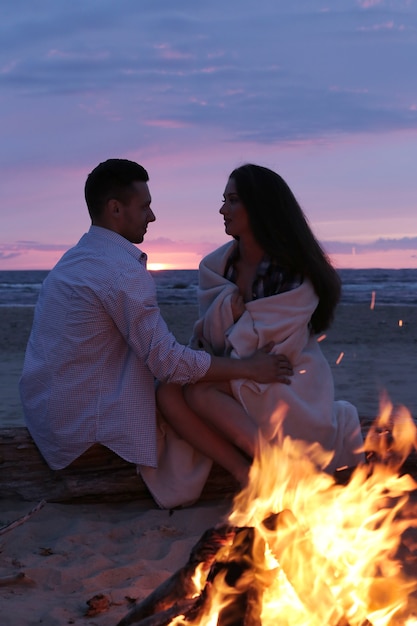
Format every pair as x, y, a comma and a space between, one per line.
300, 549
339, 358
372, 305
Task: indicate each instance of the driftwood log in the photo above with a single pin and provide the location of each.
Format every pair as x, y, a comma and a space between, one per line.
98, 475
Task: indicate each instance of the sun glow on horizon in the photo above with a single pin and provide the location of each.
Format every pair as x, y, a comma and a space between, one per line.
180, 257
156, 267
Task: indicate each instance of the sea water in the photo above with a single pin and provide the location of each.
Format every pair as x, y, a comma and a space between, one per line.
22, 287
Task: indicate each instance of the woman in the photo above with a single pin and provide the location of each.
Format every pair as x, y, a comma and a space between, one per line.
272, 283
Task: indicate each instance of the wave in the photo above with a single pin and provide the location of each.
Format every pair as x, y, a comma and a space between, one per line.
22, 287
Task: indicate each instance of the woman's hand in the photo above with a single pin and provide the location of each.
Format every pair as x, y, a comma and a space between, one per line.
238, 305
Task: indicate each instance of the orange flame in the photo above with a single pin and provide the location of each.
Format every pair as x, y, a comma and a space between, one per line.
392, 436
323, 553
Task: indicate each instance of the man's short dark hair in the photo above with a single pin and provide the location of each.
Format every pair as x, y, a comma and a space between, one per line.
111, 179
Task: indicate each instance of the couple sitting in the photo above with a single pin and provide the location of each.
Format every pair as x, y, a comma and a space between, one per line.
253, 366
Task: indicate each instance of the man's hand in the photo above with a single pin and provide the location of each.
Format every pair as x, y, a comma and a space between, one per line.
260, 366
270, 368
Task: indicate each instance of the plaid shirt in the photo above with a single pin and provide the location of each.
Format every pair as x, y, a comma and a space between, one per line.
270, 278
98, 342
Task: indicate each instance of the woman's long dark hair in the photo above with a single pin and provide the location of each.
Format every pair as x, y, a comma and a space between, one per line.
282, 230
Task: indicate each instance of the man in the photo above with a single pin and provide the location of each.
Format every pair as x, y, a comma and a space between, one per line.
98, 340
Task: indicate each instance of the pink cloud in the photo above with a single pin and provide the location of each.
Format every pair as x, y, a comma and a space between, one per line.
171, 254
165, 123
367, 4
165, 51
376, 27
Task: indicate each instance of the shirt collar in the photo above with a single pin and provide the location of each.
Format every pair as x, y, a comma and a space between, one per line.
111, 235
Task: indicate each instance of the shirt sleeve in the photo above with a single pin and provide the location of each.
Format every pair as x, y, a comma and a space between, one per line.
132, 304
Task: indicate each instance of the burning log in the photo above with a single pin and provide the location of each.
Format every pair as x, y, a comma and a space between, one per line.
240, 587
180, 585
236, 576
237, 579
186, 608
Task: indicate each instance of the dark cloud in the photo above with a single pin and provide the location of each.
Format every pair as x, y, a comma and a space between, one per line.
14, 249
379, 245
8, 251
4, 256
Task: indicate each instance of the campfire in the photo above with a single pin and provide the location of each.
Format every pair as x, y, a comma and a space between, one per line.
301, 547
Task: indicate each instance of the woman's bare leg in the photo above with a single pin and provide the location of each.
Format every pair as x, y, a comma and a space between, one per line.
216, 405
190, 427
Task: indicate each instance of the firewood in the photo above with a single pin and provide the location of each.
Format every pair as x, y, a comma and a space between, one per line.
237, 569
244, 602
163, 618
180, 586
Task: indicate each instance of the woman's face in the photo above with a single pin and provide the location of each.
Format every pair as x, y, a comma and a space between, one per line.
236, 219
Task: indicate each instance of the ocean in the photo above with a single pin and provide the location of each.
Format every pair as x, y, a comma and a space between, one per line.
21, 287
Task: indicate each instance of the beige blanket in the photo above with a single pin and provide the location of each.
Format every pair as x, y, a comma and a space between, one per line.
304, 410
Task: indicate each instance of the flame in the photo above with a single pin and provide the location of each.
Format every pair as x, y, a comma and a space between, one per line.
392, 436
312, 552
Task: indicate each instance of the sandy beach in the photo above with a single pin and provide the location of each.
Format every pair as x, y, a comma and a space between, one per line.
369, 351
70, 553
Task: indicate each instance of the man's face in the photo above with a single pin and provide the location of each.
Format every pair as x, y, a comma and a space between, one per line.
135, 215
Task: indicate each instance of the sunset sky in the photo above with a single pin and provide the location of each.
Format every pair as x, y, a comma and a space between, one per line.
322, 91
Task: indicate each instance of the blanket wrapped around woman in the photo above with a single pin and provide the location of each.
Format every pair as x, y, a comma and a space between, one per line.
304, 410
306, 407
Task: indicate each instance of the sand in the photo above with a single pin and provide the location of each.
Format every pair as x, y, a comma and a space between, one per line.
379, 354
70, 553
